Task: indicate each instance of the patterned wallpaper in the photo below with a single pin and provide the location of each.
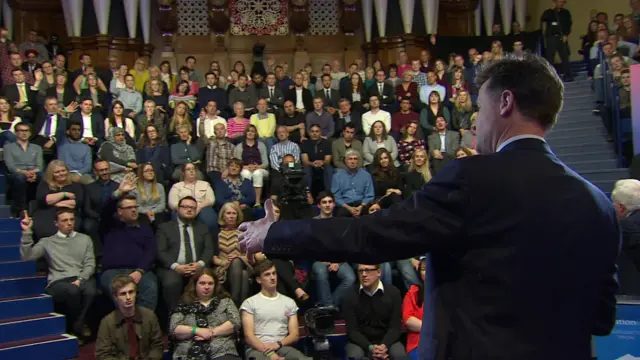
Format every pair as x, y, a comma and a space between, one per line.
324, 17
193, 18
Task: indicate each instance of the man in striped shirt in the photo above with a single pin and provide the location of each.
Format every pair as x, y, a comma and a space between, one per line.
282, 148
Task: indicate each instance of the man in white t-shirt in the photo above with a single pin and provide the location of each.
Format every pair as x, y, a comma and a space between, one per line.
269, 319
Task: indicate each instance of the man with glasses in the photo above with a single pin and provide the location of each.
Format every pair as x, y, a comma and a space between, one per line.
373, 316
184, 247
129, 245
24, 163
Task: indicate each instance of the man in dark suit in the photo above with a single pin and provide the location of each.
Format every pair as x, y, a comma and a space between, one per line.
346, 115
184, 247
514, 276
31, 65
300, 96
384, 91
330, 96
626, 200
273, 94
97, 195
92, 124
22, 96
442, 144
48, 128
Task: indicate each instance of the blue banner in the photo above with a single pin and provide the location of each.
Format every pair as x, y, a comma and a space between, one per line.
624, 341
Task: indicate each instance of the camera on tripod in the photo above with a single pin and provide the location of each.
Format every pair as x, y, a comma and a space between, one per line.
320, 322
295, 188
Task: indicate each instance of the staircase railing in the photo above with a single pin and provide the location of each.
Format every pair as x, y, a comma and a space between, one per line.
620, 128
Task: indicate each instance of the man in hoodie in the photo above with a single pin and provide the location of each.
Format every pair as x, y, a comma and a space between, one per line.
76, 154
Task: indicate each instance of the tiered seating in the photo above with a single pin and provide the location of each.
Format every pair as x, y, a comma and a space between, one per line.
29, 329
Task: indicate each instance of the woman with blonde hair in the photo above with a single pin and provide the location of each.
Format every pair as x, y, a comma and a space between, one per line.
150, 195
419, 172
462, 111
180, 116
370, 78
155, 90
56, 191
469, 137
140, 73
231, 264
205, 324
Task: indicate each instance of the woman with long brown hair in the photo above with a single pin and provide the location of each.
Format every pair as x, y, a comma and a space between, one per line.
180, 116
150, 195
356, 93
8, 121
410, 142
205, 323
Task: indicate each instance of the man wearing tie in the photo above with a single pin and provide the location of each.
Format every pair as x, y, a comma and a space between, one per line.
522, 249
329, 95
385, 92
272, 94
49, 127
184, 247
21, 95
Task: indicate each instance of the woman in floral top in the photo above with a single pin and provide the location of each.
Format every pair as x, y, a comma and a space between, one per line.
204, 325
409, 143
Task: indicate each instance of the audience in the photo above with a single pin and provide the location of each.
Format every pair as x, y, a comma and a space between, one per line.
24, 163
412, 311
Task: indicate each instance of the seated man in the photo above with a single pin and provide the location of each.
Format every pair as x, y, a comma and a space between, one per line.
129, 332
282, 148
129, 245
92, 124
373, 316
442, 144
24, 163
322, 270
96, 196
184, 247
76, 154
71, 263
270, 319
352, 186
219, 152
316, 159
320, 117
131, 99
340, 146
49, 127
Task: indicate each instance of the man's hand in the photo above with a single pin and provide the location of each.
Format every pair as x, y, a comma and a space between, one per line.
415, 263
71, 107
318, 163
272, 346
183, 270
136, 276
253, 233
26, 223
49, 144
438, 154
333, 267
565, 38
76, 283
19, 105
128, 184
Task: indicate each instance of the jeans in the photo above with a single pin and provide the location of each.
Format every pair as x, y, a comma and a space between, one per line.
408, 272
7, 137
268, 142
323, 285
73, 301
147, 287
209, 217
327, 175
20, 188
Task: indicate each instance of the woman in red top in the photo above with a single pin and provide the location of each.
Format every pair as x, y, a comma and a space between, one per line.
412, 312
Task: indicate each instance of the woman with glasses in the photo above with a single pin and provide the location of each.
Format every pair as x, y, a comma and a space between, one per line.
199, 190
54, 192
121, 156
150, 195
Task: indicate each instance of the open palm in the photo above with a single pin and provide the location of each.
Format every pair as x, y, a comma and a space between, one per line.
253, 233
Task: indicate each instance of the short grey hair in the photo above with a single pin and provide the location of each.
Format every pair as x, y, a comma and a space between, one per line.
350, 152
627, 192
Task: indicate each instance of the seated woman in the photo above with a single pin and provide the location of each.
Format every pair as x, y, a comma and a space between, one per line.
463, 152
387, 181
231, 264
237, 190
182, 95
410, 141
150, 195
237, 125
151, 115
121, 156
462, 111
56, 191
255, 161
117, 119
153, 149
63, 92
94, 93
412, 307
180, 116
199, 190
419, 172
205, 324
8, 121
184, 151
155, 90
468, 139
379, 138
429, 114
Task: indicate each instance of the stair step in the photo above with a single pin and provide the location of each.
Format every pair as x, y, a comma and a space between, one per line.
7, 224
22, 286
56, 347
12, 238
25, 306
614, 174
605, 186
587, 165
12, 269
9, 253
575, 138
35, 326
577, 122
569, 157
578, 129
584, 111
576, 148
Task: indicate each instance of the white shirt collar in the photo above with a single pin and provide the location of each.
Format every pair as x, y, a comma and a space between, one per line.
518, 137
379, 288
63, 236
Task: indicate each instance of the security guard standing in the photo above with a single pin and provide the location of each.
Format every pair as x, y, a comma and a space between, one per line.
558, 27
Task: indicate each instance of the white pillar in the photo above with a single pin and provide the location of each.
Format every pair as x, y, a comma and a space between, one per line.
367, 18
7, 14
489, 10
103, 10
381, 16
477, 19
131, 15
68, 21
430, 14
521, 13
506, 9
145, 20
407, 9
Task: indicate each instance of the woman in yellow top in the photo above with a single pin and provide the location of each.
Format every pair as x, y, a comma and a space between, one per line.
265, 122
140, 74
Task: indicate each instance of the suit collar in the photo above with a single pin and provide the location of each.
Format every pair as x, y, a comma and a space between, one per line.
525, 142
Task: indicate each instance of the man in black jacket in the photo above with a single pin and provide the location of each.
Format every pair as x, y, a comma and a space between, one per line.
523, 250
558, 23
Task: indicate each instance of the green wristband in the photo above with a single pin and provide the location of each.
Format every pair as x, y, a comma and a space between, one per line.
193, 330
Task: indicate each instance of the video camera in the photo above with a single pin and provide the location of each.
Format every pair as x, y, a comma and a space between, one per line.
320, 322
295, 188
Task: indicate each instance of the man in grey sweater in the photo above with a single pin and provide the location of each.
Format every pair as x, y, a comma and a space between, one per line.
71, 264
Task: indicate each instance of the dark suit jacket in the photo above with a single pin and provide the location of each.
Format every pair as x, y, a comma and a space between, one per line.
452, 142
13, 95
25, 67
629, 259
388, 95
514, 274
61, 128
93, 207
335, 97
356, 119
169, 243
307, 99
278, 97
97, 123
